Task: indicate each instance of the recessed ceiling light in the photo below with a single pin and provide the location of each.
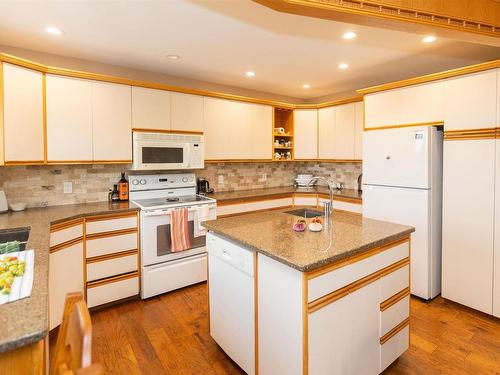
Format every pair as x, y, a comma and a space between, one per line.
350, 35
53, 30
343, 66
250, 74
306, 86
173, 57
429, 39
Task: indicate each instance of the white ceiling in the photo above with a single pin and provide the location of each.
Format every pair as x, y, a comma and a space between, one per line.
218, 40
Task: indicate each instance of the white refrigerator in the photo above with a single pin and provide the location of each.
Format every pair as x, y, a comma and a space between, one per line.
402, 183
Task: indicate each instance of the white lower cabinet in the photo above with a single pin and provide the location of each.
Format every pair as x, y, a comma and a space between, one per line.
65, 276
106, 292
344, 332
468, 222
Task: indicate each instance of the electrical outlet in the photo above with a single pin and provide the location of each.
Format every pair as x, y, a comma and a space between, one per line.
221, 179
264, 177
67, 187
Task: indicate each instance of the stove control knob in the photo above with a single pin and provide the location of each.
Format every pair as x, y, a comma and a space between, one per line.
135, 182
184, 179
142, 182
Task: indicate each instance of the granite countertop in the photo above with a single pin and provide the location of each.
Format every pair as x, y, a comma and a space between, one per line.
26, 321
228, 196
270, 233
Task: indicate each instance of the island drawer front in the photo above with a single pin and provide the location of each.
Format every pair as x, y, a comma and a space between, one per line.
232, 209
393, 315
305, 200
326, 283
111, 267
394, 282
394, 347
59, 236
112, 291
110, 244
97, 225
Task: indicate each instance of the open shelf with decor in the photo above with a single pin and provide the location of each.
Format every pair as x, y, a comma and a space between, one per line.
283, 134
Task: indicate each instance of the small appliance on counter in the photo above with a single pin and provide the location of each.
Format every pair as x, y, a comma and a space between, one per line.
303, 180
4, 207
203, 186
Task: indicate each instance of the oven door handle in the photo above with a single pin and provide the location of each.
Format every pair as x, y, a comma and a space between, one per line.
164, 212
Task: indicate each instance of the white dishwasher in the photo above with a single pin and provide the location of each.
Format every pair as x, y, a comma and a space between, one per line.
231, 298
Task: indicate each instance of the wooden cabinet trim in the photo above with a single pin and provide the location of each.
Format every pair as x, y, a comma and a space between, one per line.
394, 299
120, 254
262, 198
172, 131
111, 233
342, 199
65, 245
396, 126
103, 217
253, 211
66, 224
468, 134
394, 331
113, 279
352, 287
356, 258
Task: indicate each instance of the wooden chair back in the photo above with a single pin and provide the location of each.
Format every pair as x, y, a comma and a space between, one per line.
73, 351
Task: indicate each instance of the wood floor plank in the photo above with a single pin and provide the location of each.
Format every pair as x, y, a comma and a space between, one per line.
169, 334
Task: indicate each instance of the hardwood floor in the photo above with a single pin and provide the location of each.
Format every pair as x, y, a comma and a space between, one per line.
169, 335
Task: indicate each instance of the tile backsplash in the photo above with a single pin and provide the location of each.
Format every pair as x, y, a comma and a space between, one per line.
40, 186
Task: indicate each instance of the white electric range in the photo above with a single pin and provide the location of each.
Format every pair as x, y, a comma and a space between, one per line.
157, 195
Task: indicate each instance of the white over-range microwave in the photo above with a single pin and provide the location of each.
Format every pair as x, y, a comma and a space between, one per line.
160, 151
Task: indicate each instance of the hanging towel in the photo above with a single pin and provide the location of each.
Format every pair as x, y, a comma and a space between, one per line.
201, 214
179, 230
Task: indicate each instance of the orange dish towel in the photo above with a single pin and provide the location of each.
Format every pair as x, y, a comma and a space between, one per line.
179, 230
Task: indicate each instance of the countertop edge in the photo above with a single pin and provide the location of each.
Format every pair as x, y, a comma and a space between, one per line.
316, 265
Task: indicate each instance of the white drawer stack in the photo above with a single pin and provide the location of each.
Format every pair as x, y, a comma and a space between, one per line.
112, 257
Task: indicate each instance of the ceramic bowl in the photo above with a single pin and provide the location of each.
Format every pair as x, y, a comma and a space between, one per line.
18, 206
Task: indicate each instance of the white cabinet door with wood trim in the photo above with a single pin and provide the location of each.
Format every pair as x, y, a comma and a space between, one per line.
111, 125
65, 276
468, 222
69, 119
151, 109
496, 250
237, 130
470, 101
187, 112
326, 133
305, 133
358, 130
23, 114
343, 138
407, 105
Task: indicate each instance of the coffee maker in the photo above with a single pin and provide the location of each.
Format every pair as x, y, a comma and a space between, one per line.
203, 186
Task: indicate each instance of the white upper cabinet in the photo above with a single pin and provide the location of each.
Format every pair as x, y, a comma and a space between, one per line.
470, 101
151, 109
407, 105
237, 130
344, 131
69, 119
23, 114
358, 130
305, 133
187, 112
338, 129
112, 130
326, 133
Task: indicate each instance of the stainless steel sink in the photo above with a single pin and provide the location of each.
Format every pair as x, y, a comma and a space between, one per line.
305, 213
16, 238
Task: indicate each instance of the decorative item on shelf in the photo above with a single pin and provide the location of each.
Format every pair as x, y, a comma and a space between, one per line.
279, 130
288, 143
276, 142
288, 155
123, 188
277, 156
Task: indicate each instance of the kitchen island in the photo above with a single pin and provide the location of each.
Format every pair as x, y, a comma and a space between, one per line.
333, 302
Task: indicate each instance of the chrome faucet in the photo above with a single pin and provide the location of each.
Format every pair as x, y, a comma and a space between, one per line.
332, 185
